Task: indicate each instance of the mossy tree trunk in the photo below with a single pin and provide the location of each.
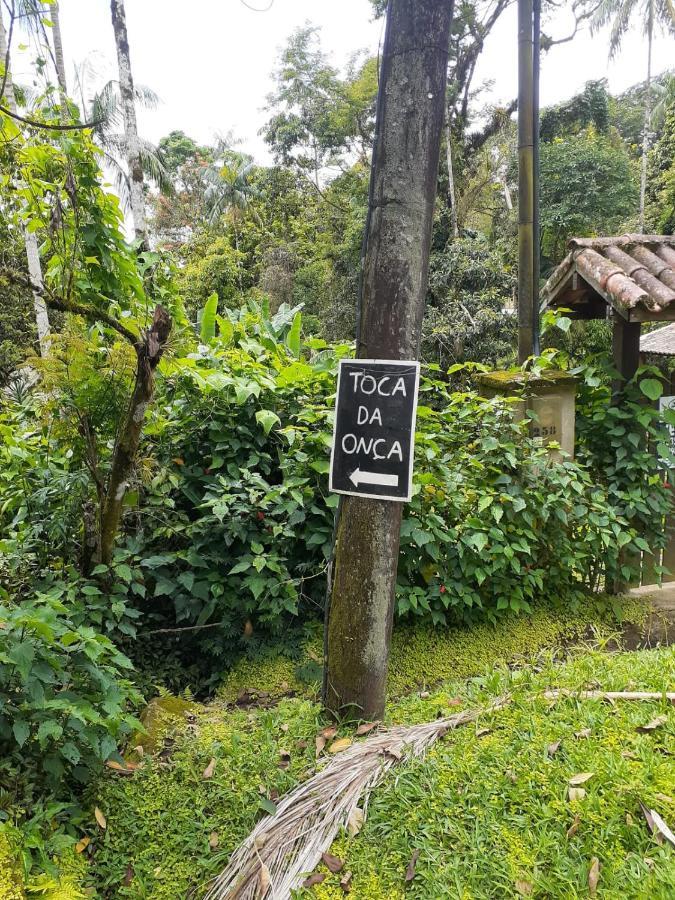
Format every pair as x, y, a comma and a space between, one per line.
149, 351
404, 177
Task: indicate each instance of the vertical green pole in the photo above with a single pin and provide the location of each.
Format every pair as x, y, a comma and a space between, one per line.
536, 236
525, 182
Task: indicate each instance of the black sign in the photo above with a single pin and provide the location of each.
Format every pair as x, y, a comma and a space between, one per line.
374, 434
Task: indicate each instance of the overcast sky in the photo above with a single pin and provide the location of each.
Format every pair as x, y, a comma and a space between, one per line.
211, 60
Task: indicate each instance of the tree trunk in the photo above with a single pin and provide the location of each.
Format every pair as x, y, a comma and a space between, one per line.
133, 147
54, 14
404, 173
30, 240
648, 116
451, 175
149, 352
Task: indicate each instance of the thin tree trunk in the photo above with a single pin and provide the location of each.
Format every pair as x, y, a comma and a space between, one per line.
648, 116
133, 147
404, 173
451, 175
55, 17
30, 239
149, 352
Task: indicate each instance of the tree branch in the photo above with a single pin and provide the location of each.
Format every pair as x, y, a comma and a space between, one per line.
46, 126
70, 306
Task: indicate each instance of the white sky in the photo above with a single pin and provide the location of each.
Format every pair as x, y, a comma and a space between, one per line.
211, 61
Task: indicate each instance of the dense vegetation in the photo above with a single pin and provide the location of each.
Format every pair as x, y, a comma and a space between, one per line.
165, 520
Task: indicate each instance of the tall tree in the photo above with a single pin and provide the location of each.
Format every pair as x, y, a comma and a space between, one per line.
133, 148
619, 14
404, 173
59, 60
30, 239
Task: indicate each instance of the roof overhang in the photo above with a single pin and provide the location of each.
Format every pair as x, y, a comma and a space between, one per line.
633, 275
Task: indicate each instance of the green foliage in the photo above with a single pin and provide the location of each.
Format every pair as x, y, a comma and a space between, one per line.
161, 819
469, 316
627, 448
63, 693
208, 319
661, 196
588, 186
590, 107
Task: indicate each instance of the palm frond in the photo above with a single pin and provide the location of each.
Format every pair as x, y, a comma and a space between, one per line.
146, 97
283, 848
153, 166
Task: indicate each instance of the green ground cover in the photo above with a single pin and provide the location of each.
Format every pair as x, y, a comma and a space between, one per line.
489, 812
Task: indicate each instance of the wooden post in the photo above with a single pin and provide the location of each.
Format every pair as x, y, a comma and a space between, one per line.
626, 355
404, 175
625, 348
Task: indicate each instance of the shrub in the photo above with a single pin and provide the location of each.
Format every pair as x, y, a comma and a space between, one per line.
64, 697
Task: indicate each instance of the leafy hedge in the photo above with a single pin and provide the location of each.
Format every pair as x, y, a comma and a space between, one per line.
233, 520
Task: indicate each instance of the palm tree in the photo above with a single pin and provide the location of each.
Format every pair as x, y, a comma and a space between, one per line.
131, 139
620, 13
104, 108
228, 190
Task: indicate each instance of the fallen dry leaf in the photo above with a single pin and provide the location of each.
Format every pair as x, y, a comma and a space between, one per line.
128, 876
454, 701
139, 751
284, 727
329, 732
320, 744
481, 732
82, 845
424, 695
664, 798
248, 628
628, 754
127, 769
100, 818
301, 745
553, 748
648, 862
581, 778
340, 745
284, 759
332, 863
264, 879
260, 841
214, 840
576, 793
574, 827
524, 888
410, 871
314, 878
584, 733
210, 769
653, 725
365, 727
355, 821
346, 882
593, 876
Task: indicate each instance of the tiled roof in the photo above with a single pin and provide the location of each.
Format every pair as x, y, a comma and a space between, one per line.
660, 342
633, 273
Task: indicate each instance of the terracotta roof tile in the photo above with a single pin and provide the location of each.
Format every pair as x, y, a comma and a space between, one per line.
633, 273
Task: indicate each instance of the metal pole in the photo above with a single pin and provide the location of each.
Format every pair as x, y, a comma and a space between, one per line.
536, 239
525, 181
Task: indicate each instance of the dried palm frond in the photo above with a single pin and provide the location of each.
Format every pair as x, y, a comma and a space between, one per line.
282, 849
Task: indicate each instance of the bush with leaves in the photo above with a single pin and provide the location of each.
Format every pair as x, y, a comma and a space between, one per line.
64, 695
236, 521
626, 447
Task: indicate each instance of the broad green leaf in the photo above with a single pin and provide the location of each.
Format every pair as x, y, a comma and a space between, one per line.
208, 319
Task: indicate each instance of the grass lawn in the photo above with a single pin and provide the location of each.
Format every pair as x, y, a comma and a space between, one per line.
488, 809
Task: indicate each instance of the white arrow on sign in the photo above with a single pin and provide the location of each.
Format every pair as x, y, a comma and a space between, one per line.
358, 477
